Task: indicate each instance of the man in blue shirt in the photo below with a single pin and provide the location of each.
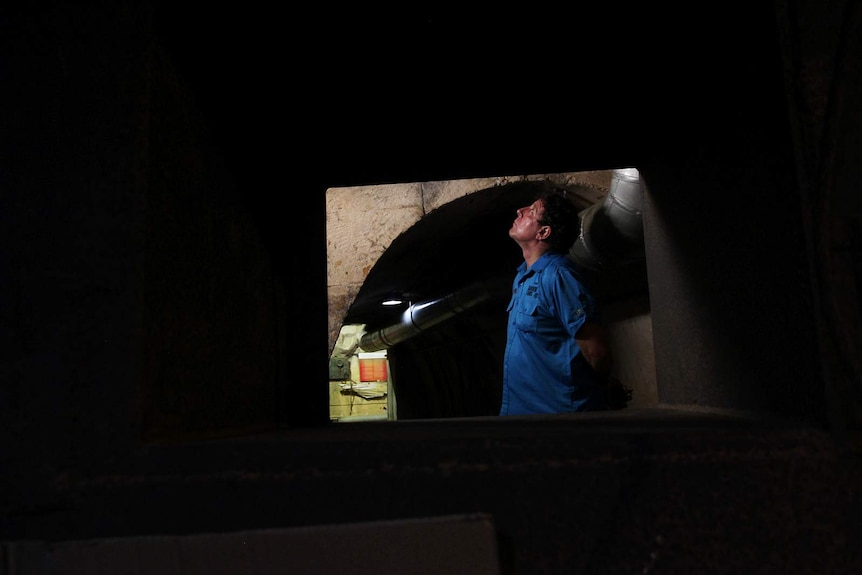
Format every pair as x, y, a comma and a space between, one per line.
556, 359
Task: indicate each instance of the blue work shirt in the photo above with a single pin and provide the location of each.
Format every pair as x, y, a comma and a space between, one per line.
544, 370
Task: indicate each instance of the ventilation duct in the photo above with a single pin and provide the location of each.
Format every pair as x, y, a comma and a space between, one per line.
612, 231
611, 234
421, 316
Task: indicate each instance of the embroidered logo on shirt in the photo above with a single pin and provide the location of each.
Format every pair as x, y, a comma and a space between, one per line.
531, 290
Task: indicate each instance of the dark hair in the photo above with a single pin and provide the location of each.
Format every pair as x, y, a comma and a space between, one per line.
561, 216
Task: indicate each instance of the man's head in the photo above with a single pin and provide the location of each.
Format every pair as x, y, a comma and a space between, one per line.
561, 216
550, 223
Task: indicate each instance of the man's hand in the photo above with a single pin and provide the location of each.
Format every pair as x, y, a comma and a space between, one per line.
593, 343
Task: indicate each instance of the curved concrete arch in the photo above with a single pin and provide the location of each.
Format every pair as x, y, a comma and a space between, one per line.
365, 222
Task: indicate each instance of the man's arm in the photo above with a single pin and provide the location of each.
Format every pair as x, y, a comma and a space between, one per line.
594, 345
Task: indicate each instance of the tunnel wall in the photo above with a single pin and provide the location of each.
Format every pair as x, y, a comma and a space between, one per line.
733, 319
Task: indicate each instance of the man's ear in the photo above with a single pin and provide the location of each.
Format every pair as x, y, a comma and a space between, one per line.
543, 232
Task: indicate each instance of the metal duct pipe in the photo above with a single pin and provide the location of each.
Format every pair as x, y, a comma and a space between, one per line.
421, 316
612, 231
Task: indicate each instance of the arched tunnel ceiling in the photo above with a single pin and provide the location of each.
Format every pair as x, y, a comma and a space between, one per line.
462, 242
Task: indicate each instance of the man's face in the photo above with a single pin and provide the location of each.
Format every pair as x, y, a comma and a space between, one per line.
526, 226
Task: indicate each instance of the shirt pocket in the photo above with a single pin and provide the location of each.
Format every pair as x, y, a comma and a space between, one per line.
526, 315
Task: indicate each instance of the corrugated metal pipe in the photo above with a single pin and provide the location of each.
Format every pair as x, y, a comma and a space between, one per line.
423, 315
612, 231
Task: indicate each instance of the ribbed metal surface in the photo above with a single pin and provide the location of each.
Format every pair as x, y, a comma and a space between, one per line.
424, 315
612, 230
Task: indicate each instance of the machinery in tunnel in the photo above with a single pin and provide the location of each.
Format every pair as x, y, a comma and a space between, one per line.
445, 350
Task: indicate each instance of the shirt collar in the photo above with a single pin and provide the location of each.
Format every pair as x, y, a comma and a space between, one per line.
544, 261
